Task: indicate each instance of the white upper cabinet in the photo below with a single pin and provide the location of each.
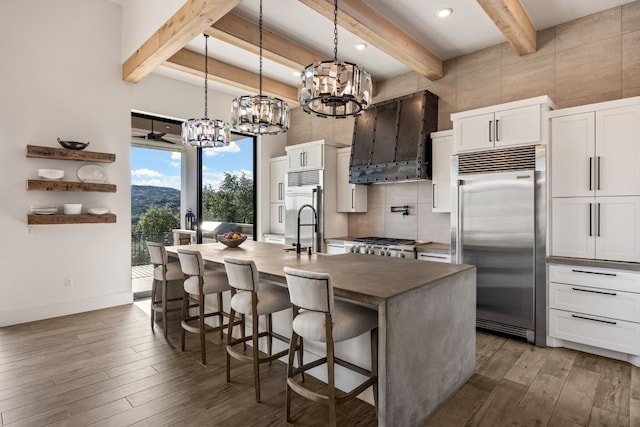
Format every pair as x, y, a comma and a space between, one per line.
306, 156
351, 197
596, 153
442, 143
514, 123
277, 171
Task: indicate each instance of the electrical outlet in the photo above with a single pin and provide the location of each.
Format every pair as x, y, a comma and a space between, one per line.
30, 231
68, 281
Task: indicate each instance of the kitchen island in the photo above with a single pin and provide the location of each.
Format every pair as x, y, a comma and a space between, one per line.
426, 318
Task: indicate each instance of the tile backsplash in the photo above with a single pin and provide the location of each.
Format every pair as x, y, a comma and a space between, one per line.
421, 223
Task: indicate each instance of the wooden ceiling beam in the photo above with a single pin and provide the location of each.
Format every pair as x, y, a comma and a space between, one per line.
511, 18
191, 19
193, 63
246, 35
360, 19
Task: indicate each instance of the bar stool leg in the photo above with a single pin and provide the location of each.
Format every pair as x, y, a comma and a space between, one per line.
154, 284
292, 350
203, 350
164, 307
220, 317
232, 321
374, 365
331, 373
185, 313
256, 365
269, 335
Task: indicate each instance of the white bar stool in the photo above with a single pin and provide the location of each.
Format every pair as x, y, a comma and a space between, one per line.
163, 273
251, 297
200, 282
318, 317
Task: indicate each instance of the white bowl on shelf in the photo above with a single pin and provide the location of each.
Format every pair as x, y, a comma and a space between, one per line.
97, 211
72, 208
51, 173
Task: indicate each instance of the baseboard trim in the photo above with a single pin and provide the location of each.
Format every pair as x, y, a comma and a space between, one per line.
63, 308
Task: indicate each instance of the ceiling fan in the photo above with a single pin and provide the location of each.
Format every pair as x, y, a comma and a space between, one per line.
157, 136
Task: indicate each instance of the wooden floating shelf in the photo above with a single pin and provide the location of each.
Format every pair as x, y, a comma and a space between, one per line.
48, 185
39, 152
71, 219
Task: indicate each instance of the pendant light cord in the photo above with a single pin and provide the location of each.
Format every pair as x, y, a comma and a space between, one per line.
260, 24
206, 75
335, 31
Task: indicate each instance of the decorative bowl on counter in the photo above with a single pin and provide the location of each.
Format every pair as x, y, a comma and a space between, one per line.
231, 239
51, 173
73, 145
72, 208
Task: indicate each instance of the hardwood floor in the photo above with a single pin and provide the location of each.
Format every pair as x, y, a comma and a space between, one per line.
107, 368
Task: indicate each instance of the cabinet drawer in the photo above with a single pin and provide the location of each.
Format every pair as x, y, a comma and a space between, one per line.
616, 335
597, 301
595, 277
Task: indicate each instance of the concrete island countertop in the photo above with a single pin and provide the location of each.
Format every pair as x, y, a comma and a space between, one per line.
426, 319
354, 276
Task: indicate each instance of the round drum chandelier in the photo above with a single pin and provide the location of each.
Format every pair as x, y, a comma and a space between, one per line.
259, 114
333, 88
205, 132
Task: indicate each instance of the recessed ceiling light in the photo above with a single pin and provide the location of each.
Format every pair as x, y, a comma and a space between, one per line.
360, 46
443, 13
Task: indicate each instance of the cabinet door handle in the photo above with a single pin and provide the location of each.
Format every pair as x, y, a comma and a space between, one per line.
353, 198
598, 174
281, 197
613, 294
598, 220
304, 156
280, 214
497, 127
593, 272
594, 320
433, 195
301, 159
490, 125
590, 219
590, 173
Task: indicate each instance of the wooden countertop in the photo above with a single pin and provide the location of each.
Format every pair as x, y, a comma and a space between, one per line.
355, 276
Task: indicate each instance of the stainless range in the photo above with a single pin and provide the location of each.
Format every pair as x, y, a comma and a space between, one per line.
382, 246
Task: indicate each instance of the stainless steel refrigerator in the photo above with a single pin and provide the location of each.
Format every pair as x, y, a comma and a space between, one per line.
499, 225
304, 188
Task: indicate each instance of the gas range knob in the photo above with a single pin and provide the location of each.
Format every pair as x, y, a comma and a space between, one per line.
387, 253
402, 254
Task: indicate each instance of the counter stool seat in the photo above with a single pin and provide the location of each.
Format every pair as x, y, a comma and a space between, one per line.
164, 272
250, 296
199, 283
319, 317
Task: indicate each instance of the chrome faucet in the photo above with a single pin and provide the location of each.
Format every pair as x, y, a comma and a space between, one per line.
314, 224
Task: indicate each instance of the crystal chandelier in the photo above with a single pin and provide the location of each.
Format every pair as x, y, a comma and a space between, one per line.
205, 132
259, 114
332, 88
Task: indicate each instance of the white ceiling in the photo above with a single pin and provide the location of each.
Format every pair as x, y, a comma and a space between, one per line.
468, 29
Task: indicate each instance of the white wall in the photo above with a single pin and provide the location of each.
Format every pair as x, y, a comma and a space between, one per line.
60, 76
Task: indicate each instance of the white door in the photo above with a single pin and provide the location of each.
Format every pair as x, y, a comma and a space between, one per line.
472, 133
572, 155
618, 228
441, 181
517, 126
618, 151
573, 227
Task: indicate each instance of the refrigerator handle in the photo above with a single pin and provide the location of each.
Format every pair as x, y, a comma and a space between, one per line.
590, 219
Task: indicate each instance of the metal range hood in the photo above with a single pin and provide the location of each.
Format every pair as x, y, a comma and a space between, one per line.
392, 140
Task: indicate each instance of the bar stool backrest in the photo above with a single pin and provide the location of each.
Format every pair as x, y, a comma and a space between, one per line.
157, 253
242, 274
191, 262
309, 290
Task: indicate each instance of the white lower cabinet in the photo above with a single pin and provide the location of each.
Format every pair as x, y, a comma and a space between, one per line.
277, 218
595, 306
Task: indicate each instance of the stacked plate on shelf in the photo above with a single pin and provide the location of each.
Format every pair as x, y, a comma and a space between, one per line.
50, 173
44, 210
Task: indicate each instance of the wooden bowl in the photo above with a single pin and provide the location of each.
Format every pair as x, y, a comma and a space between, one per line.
232, 243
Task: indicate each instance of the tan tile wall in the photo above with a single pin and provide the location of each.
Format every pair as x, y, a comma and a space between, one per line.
591, 59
